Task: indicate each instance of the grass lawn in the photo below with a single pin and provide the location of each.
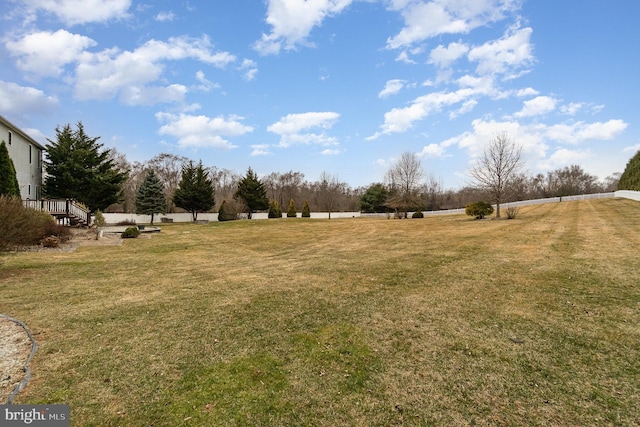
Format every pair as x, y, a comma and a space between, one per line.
369, 322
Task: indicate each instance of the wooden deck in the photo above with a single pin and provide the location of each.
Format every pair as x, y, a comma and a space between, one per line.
68, 210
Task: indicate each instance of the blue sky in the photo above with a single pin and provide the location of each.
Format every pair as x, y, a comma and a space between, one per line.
342, 86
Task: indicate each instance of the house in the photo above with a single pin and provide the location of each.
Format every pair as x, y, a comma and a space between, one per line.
26, 154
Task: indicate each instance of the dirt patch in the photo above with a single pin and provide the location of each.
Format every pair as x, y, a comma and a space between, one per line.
15, 347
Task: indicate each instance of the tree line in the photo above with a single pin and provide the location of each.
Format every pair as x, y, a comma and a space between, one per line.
79, 167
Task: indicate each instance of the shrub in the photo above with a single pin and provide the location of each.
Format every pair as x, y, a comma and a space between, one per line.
274, 210
130, 233
227, 212
291, 210
306, 212
20, 226
127, 222
512, 212
478, 209
417, 214
61, 232
98, 219
50, 242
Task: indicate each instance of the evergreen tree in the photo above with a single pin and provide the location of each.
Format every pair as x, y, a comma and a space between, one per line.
195, 192
274, 210
291, 210
8, 181
630, 179
374, 199
77, 168
252, 192
150, 198
306, 211
226, 212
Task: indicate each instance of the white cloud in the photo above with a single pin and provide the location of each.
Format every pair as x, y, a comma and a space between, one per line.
73, 12
202, 131
537, 106
503, 56
404, 57
20, 100
572, 108
445, 56
293, 20
331, 152
205, 84
466, 107
106, 74
151, 95
45, 53
250, 69
293, 128
392, 87
260, 150
578, 132
427, 19
165, 16
564, 157
526, 92
537, 140
401, 119
432, 151
632, 149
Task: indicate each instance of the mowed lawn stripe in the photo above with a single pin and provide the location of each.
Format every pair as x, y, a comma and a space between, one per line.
437, 321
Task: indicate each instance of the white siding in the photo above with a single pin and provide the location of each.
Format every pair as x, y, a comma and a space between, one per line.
26, 154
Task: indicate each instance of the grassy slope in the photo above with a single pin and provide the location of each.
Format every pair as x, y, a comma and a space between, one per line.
344, 322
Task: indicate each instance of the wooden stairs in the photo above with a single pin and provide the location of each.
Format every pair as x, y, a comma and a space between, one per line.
66, 211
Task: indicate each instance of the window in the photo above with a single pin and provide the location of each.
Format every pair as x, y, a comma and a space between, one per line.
30, 154
10, 137
29, 189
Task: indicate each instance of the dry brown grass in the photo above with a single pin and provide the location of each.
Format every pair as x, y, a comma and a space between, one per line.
435, 321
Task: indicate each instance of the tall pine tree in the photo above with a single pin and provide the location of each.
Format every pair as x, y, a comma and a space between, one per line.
252, 192
150, 198
8, 182
78, 168
195, 192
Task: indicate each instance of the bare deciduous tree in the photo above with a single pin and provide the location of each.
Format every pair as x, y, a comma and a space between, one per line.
404, 179
498, 164
330, 189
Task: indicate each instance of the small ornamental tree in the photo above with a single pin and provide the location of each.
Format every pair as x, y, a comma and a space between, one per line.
291, 210
478, 209
150, 198
274, 210
195, 193
306, 212
8, 182
226, 212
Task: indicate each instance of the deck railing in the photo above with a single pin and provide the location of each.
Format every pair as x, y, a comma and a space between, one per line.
61, 208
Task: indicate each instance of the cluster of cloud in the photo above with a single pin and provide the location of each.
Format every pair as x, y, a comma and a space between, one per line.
130, 75
202, 131
291, 22
306, 129
463, 75
535, 138
74, 12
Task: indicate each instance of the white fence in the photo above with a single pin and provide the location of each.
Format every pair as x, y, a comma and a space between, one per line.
114, 218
